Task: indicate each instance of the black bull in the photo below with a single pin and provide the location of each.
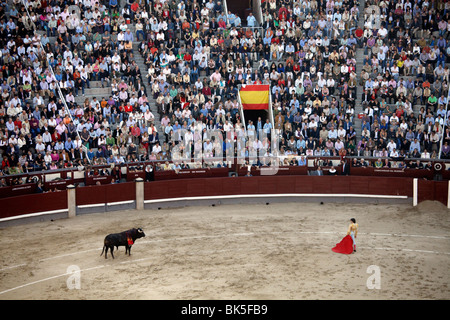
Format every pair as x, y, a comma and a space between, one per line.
126, 238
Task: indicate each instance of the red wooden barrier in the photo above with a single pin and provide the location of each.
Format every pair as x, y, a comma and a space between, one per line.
191, 173
278, 185
18, 190
91, 195
218, 186
392, 172
120, 192
31, 203
432, 190
106, 193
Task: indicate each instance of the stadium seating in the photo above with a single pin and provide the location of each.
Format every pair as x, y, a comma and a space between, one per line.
114, 82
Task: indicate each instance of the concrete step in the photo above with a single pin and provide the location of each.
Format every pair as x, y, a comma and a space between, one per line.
140, 61
80, 98
359, 55
98, 84
98, 91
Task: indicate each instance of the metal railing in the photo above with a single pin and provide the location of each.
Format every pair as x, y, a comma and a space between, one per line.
226, 12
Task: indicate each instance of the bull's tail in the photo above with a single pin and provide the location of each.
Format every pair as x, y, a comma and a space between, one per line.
103, 250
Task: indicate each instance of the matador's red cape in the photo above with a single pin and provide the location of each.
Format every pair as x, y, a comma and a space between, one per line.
345, 246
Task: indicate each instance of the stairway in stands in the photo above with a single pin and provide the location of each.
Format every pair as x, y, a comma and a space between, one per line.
359, 88
96, 90
139, 59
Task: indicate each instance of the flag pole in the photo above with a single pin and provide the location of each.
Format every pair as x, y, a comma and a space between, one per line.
443, 127
241, 111
270, 108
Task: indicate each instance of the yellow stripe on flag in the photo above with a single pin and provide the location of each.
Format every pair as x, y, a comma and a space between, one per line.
254, 99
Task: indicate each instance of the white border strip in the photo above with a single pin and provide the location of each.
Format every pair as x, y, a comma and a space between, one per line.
339, 195
119, 202
83, 206
37, 214
105, 204
90, 205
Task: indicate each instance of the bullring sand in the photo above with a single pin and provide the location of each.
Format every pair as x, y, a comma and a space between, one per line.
276, 251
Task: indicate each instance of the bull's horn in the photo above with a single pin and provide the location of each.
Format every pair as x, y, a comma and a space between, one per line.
140, 230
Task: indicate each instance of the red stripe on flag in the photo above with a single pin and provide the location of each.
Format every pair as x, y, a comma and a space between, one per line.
255, 106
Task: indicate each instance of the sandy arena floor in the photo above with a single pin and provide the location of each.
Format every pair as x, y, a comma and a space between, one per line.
276, 251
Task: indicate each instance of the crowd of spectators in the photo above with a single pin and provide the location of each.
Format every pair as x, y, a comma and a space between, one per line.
308, 62
405, 77
52, 51
196, 56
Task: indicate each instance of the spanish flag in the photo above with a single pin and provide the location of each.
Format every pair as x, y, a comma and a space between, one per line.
255, 97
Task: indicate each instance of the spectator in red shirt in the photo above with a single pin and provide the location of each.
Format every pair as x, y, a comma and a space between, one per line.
222, 24
359, 33
283, 12
18, 123
188, 58
128, 107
